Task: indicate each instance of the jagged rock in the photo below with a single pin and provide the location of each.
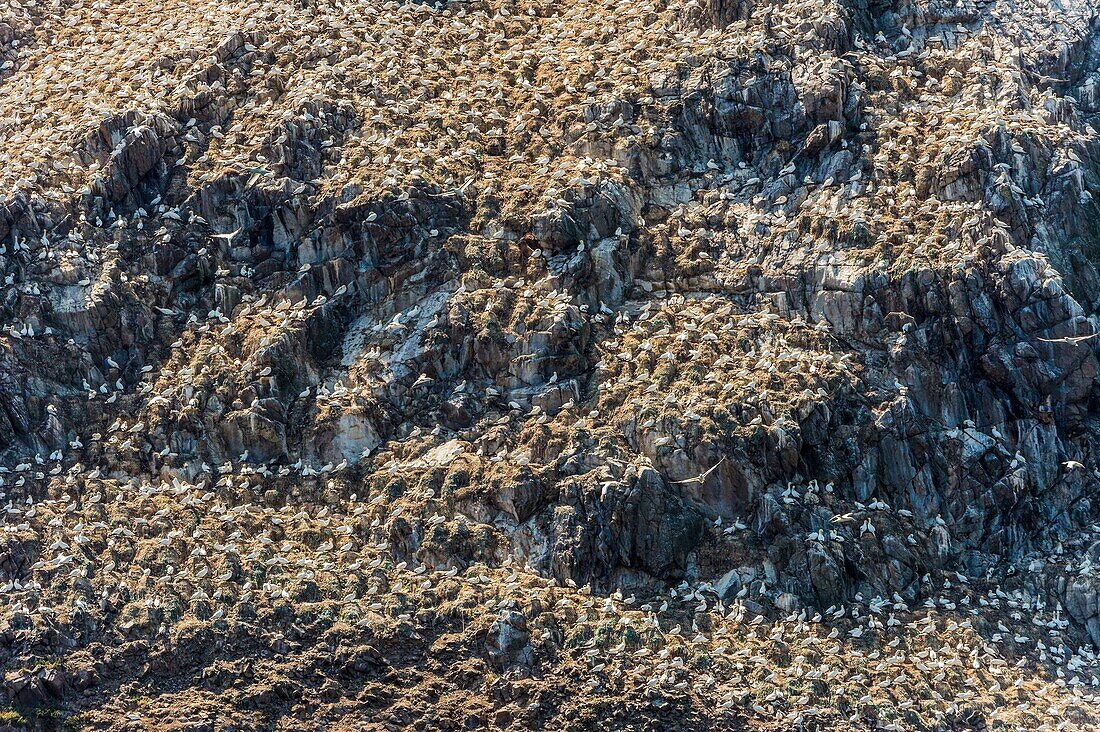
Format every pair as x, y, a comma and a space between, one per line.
30, 689
729, 585
508, 641
298, 328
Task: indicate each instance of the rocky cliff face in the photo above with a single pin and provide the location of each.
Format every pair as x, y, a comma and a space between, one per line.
792, 306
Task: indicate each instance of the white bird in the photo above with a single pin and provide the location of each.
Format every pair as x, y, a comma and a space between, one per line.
227, 236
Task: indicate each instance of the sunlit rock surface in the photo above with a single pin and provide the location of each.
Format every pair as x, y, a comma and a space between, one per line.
521, 365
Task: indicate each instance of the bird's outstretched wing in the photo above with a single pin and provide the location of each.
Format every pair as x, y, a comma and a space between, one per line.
227, 236
1070, 339
702, 476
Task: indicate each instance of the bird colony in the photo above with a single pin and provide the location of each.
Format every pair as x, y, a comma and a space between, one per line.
512, 364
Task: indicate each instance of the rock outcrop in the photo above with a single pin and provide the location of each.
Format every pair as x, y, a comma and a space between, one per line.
788, 306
